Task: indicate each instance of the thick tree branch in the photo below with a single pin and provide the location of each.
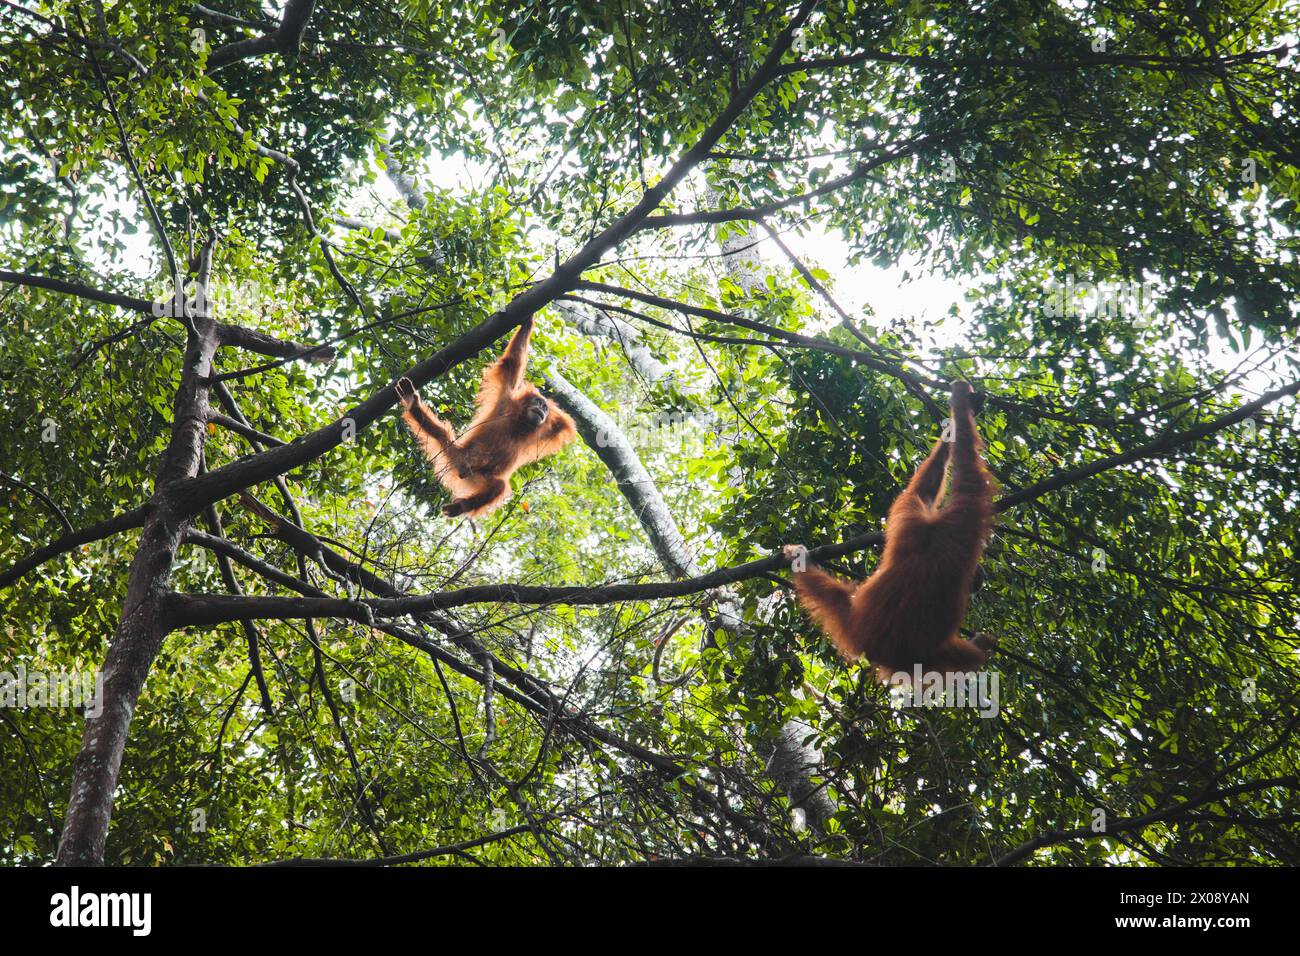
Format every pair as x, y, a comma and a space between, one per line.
402, 182
595, 321
96, 532
284, 39
79, 290
202, 609
789, 764
251, 340
142, 626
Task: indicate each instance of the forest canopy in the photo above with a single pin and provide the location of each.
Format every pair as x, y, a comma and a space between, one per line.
226, 230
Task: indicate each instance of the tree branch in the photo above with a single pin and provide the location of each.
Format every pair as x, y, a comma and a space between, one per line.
251, 340
1159, 446
193, 609
110, 104
96, 532
524, 690
79, 290
674, 305
285, 38
42, 496
251, 634
187, 610
454, 848
756, 213
1053, 837
1137, 61
225, 421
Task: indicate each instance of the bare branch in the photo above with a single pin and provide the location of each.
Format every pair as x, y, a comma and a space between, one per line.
79, 290
454, 848
674, 305
756, 213
110, 104
239, 428
95, 532
42, 496
250, 340
284, 39
1159, 446
251, 634
524, 689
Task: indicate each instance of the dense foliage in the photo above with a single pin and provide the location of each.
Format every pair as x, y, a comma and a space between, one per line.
401, 172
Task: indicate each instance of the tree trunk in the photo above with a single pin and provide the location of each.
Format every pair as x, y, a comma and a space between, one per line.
143, 624
790, 764
596, 324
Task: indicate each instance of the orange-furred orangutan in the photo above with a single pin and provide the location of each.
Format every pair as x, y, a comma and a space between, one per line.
909, 611
513, 424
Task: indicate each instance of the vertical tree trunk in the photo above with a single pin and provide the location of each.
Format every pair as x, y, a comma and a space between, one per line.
596, 324
143, 625
790, 764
